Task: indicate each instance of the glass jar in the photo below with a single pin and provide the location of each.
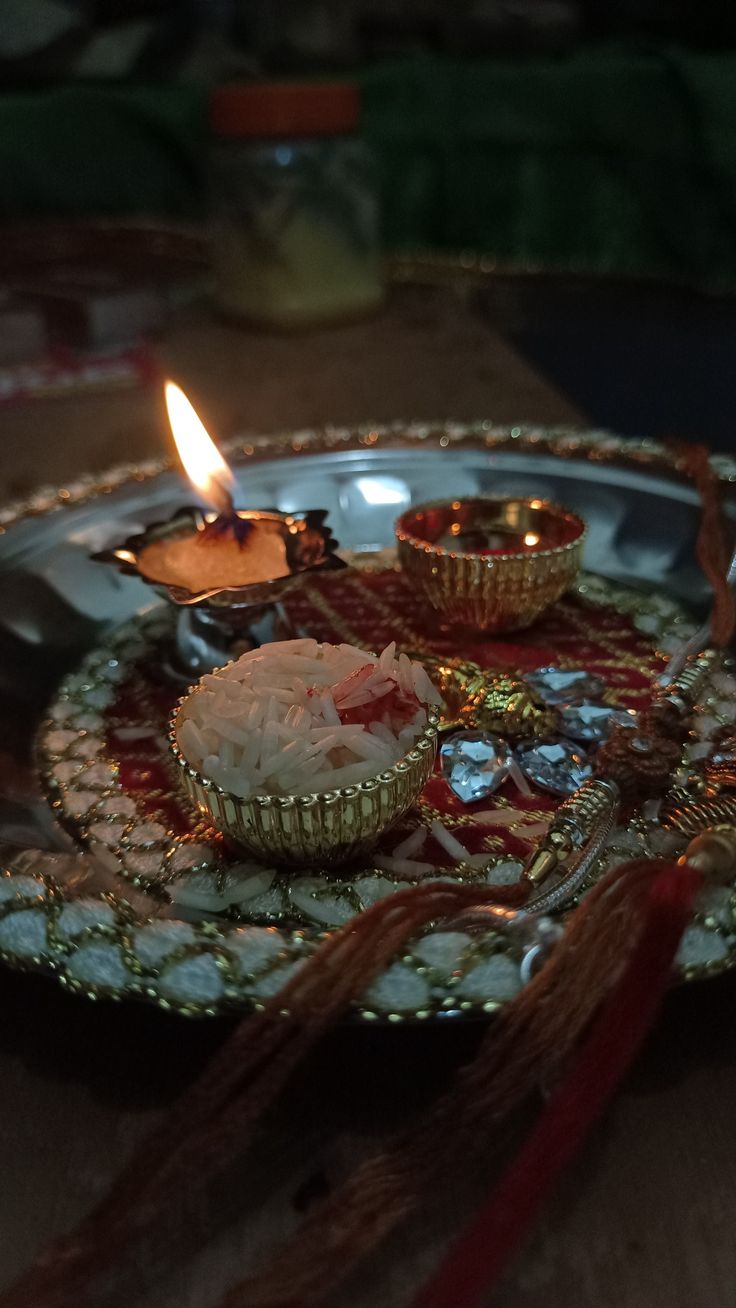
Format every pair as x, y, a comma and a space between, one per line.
294, 211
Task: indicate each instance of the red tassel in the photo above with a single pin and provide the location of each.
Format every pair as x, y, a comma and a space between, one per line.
474, 1265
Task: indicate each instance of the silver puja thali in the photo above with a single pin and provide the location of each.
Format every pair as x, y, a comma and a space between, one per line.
105, 886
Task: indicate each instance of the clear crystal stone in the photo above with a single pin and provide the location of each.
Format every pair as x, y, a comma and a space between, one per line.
564, 685
559, 766
474, 763
592, 721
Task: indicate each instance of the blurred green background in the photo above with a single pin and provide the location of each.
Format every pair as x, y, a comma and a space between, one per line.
594, 136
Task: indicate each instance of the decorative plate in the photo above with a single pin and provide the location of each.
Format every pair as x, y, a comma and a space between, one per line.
121, 892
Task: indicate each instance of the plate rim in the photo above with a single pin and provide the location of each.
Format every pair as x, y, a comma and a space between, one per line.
566, 441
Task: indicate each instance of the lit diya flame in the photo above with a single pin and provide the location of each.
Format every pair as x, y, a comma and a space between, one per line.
200, 457
205, 467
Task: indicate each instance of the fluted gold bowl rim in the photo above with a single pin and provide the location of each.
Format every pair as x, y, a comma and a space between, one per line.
535, 503
501, 590
415, 766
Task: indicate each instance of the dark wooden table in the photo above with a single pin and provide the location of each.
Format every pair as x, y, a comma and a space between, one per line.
644, 1217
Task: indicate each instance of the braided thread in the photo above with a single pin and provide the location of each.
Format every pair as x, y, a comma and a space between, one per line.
711, 547
532, 1035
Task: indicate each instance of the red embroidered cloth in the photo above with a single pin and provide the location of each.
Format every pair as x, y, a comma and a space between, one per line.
371, 609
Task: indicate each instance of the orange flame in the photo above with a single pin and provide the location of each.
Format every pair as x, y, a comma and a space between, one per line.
201, 459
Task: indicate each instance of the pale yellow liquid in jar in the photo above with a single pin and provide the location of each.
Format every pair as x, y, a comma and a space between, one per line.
315, 274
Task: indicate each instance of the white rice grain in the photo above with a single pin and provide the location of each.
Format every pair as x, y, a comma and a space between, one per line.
402, 867
386, 660
345, 776
191, 742
290, 755
229, 732
448, 842
499, 817
365, 746
406, 676
345, 731
425, 692
519, 780
384, 733
412, 844
329, 712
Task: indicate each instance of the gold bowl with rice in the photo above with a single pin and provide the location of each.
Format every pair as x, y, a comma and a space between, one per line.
304, 754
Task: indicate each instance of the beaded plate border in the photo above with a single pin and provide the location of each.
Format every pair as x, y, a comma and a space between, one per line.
565, 442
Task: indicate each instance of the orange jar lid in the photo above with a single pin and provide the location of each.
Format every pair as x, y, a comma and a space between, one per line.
272, 109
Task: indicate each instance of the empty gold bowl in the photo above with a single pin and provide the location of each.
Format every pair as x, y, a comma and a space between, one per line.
491, 564
309, 830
